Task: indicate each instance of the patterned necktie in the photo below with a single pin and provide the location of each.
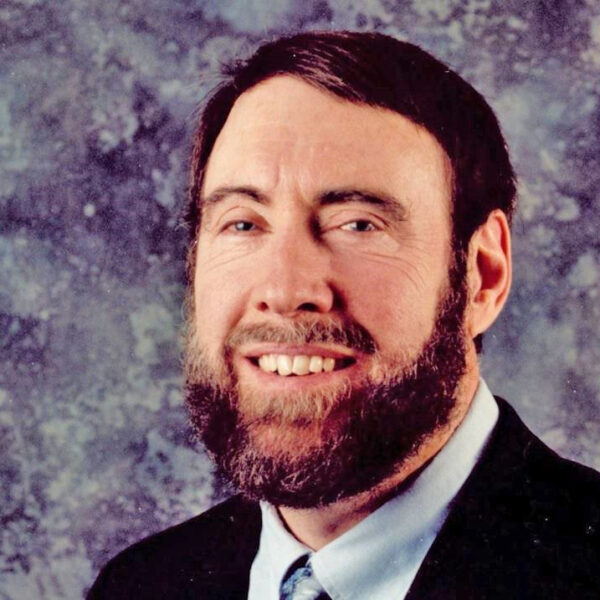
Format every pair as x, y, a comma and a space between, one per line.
300, 583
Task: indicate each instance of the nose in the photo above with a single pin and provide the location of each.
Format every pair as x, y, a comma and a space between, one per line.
295, 277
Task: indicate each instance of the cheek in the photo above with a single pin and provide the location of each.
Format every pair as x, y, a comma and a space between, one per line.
397, 305
219, 301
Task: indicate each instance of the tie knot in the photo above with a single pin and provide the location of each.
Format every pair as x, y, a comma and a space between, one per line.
300, 583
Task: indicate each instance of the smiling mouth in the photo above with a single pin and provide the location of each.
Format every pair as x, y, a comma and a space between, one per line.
299, 364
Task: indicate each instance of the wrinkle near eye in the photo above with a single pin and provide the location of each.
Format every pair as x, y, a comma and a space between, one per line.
219, 260
401, 268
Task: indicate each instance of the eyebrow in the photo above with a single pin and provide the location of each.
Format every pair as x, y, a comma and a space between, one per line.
223, 192
389, 204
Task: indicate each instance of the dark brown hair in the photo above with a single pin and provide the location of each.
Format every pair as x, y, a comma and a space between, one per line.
378, 70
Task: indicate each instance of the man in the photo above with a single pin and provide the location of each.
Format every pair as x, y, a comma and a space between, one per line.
350, 203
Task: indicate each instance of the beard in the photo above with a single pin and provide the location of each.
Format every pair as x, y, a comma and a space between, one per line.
313, 449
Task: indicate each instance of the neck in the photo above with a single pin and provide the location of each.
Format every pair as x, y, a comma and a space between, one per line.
316, 527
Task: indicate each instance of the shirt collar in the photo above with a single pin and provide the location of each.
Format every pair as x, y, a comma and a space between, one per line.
393, 540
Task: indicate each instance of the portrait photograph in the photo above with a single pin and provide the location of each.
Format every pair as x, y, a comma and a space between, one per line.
299, 300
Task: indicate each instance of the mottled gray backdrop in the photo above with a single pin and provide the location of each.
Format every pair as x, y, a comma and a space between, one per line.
97, 100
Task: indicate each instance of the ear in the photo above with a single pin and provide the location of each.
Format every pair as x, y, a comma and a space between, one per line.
489, 273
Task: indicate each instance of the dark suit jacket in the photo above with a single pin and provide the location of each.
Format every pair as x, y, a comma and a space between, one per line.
526, 524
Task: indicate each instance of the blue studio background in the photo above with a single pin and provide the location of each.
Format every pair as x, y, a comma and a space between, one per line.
97, 102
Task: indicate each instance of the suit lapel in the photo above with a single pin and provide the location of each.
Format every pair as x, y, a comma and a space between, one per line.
477, 552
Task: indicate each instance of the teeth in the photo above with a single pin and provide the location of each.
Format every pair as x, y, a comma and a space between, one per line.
268, 362
284, 364
301, 364
316, 364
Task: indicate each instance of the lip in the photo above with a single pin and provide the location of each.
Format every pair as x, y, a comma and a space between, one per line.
249, 371
295, 350
247, 366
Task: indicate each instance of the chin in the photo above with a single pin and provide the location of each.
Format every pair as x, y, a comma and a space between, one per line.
308, 408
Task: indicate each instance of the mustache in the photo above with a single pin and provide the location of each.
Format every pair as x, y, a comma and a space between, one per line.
348, 333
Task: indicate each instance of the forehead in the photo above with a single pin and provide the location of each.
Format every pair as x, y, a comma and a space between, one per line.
286, 133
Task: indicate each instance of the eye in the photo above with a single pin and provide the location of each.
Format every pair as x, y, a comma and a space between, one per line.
240, 226
359, 226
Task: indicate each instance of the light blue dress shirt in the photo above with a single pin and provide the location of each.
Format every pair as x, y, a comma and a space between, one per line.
378, 558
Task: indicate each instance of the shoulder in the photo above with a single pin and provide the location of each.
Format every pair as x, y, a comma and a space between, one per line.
538, 475
212, 551
526, 524
530, 516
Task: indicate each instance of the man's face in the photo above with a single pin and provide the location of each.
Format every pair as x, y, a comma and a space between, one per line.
325, 250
